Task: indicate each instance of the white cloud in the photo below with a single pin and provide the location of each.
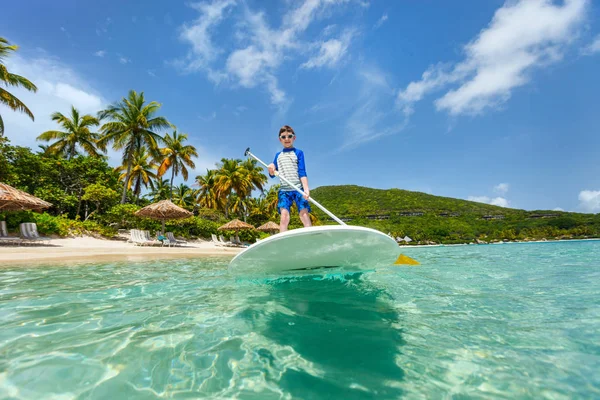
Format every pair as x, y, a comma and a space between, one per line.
258, 50
372, 114
496, 201
521, 37
102, 27
59, 87
381, 21
100, 53
557, 209
593, 47
199, 34
151, 73
589, 200
209, 117
330, 52
124, 60
501, 188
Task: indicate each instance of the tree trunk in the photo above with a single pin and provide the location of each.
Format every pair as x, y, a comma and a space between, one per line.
78, 203
124, 196
72, 152
137, 190
172, 176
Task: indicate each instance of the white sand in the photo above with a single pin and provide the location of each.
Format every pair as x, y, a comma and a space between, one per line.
92, 249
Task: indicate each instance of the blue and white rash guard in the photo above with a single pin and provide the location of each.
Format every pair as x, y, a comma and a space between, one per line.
290, 164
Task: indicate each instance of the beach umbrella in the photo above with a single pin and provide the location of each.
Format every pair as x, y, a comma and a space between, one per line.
12, 199
164, 210
270, 227
236, 225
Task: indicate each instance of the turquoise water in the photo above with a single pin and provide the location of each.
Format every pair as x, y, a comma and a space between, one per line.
496, 321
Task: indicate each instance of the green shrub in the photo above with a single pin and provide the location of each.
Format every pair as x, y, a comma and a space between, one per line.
121, 216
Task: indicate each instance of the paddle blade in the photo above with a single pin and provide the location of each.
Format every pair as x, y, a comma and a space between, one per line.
405, 260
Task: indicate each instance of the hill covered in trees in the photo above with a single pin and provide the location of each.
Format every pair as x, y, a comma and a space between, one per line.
428, 218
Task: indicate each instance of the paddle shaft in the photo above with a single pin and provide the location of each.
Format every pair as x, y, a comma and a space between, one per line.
326, 211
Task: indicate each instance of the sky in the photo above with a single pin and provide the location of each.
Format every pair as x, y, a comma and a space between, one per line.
491, 101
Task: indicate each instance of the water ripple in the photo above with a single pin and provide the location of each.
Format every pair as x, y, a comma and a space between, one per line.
470, 322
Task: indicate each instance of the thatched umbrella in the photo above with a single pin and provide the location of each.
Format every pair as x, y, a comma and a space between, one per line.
236, 225
270, 227
163, 210
12, 199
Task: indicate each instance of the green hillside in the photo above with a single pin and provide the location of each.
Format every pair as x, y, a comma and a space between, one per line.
428, 218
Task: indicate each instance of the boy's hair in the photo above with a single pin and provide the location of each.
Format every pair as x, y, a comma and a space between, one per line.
286, 128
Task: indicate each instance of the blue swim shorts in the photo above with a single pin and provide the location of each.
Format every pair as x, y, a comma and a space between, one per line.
286, 199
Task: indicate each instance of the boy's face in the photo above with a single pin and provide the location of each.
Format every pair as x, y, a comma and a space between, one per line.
287, 139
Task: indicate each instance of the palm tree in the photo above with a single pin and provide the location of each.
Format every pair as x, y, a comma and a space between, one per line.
76, 133
232, 177
207, 193
183, 196
161, 190
271, 199
177, 156
143, 171
132, 126
8, 79
255, 174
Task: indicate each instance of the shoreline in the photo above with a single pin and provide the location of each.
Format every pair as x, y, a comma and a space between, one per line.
414, 246
86, 249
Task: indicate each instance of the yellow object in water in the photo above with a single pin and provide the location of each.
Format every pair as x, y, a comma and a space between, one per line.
405, 260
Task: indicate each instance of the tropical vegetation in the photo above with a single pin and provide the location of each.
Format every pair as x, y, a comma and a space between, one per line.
76, 132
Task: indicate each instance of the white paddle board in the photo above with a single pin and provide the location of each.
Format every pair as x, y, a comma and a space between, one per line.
350, 247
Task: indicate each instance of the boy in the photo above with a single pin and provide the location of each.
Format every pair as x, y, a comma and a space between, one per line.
290, 164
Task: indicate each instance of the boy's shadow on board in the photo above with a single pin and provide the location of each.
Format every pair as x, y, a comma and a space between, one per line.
345, 328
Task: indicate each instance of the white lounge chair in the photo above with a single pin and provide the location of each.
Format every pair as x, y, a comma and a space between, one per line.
175, 242
30, 233
225, 242
215, 240
142, 238
136, 237
4, 238
234, 240
152, 242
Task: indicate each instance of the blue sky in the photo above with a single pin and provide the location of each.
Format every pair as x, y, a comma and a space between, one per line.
494, 101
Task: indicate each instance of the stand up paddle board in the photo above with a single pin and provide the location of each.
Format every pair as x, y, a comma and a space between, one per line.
349, 247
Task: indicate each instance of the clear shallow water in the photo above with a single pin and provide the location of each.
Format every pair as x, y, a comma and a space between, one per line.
496, 321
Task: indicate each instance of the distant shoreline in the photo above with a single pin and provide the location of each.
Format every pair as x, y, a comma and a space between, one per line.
497, 243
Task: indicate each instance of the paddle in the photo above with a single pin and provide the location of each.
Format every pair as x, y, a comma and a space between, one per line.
400, 261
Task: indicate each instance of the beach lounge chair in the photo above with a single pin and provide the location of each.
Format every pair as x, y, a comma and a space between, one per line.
215, 240
225, 242
236, 241
142, 238
152, 242
136, 237
175, 242
30, 233
4, 238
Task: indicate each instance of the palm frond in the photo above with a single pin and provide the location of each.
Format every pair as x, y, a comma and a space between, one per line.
14, 103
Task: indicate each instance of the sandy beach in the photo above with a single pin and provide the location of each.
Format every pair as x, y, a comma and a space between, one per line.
70, 250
